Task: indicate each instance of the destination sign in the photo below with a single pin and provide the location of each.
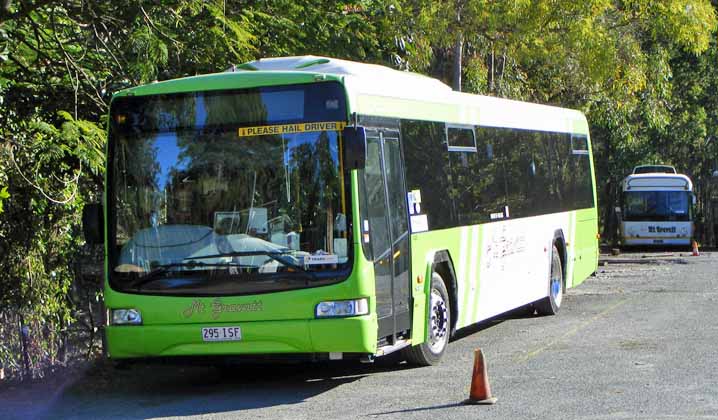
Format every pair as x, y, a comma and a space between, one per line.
661, 229
268, 130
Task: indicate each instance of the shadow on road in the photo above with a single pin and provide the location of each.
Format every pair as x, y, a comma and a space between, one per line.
164, 390
168, 388
519, 313
412, 410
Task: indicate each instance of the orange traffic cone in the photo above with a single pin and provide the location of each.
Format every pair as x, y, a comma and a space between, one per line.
480, 392
695, 249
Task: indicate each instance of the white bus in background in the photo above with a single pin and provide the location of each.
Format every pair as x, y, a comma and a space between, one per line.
657, 208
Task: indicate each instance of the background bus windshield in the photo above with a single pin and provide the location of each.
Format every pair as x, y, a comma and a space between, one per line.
657, 206
200, 197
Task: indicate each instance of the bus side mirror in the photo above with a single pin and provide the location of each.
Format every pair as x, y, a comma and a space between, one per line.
92, 224
354, 147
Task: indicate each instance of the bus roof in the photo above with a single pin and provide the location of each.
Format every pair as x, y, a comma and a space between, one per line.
657, 181
381, 91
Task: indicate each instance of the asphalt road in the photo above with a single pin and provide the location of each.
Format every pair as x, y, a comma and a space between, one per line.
638, 341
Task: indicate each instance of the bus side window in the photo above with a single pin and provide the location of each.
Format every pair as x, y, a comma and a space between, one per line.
489, 186
461, 144
426, 165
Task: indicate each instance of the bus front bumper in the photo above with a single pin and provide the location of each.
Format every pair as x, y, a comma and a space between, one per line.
656, 241
341, 335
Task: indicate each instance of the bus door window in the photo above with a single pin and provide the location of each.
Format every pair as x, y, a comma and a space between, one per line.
398, 219
387, 213
378, 228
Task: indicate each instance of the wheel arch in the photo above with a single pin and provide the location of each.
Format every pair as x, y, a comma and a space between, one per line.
560, 241
444, 266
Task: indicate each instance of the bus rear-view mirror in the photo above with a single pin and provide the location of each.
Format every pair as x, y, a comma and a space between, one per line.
92, 224
354, 147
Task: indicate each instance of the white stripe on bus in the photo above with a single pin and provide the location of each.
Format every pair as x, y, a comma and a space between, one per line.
462, 282
474, 261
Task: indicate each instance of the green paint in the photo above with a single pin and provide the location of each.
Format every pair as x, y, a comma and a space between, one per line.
224, 81
407, 109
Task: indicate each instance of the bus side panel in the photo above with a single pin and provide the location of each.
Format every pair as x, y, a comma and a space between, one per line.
499, 266
585, 261
504, 265
423, 249
514, 263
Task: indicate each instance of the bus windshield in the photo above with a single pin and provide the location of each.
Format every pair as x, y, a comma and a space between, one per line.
246, 203
657, 206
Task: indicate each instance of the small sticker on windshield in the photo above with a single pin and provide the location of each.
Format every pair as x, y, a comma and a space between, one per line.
321, 259
269, 130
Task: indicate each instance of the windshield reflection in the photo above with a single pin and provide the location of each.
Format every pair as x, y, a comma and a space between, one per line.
186, 195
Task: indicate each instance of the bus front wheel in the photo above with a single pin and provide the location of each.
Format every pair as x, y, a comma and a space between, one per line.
429, 352
552, 303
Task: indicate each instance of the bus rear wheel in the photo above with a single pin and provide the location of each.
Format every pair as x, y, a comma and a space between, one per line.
429, 352
551, 304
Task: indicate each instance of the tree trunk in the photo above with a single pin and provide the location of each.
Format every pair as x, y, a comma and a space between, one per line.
458, 53
458, 49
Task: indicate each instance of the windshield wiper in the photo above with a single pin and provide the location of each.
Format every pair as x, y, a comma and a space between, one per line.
275, 255
159, 271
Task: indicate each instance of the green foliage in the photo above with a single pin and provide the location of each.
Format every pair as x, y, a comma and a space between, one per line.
3, 196
637, 68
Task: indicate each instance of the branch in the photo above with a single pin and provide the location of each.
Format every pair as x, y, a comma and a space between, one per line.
78, 69
108, 49
152, 24
39, 188
19, 64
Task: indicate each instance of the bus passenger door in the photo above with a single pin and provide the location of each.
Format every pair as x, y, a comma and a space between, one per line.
386, 205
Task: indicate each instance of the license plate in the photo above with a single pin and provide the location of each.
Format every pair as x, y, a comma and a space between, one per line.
221, 334
658, 241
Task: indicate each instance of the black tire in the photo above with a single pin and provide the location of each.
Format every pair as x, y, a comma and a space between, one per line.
551, 304
121, 364
429, 353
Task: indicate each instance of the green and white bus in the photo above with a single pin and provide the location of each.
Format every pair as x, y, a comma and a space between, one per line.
321, 208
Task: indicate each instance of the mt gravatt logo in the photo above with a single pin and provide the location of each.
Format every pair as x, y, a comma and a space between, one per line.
216, 308
196, 307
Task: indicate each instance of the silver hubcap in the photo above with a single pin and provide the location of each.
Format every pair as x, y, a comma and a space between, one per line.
439, 322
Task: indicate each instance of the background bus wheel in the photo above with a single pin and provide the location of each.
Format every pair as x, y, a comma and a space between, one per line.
429, 353
552, 303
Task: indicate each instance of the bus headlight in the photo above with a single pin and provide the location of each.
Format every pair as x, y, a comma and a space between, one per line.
126, 317
342, 308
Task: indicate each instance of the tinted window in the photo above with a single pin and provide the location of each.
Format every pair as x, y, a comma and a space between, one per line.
198, 110
460, 139
508, 173
427, 169
649, 169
